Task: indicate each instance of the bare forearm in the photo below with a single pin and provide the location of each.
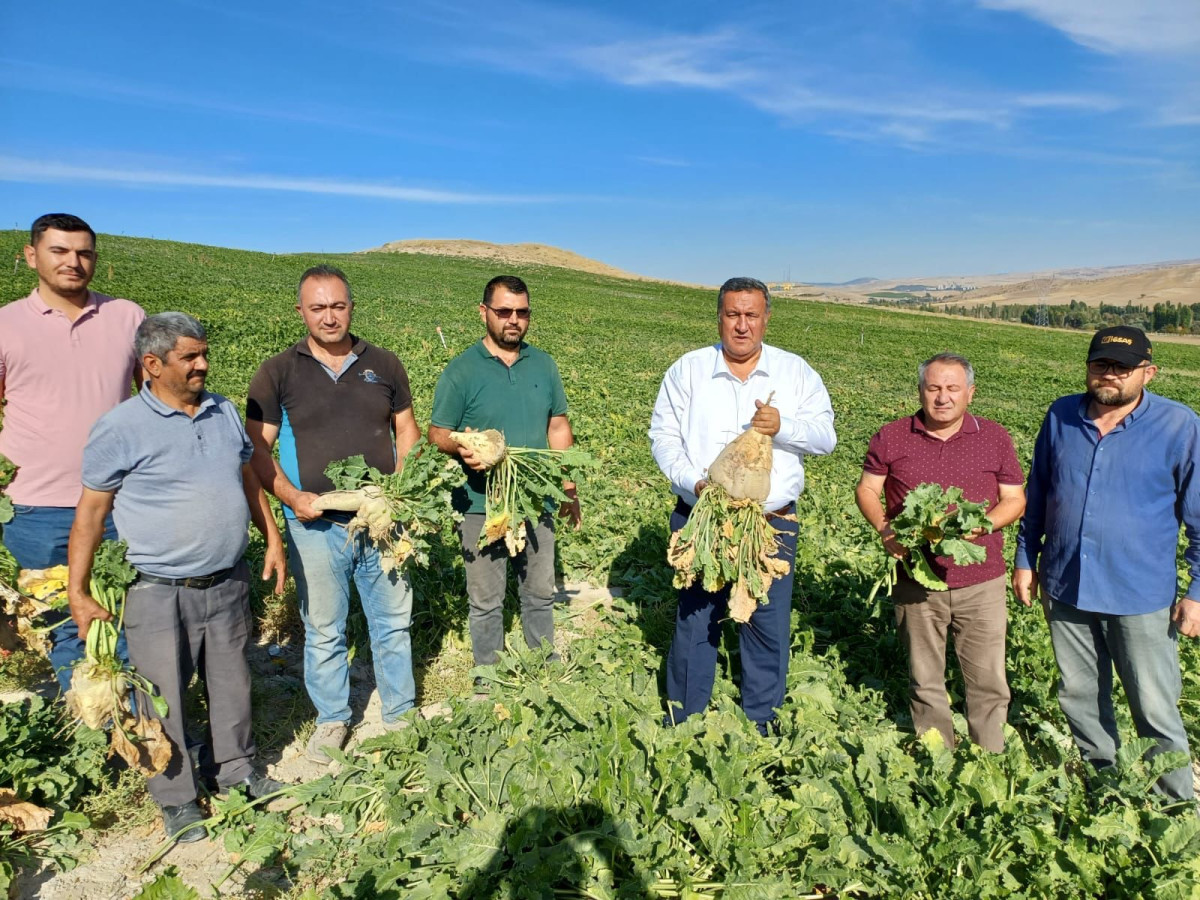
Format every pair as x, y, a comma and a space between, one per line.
870, 506
1007, 511
86, 533
260, 508
440, 438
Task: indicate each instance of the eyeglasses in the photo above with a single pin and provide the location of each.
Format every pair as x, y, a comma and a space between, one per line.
1104, 366
507, 312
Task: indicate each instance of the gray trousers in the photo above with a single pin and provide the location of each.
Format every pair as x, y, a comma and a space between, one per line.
487, 574
977, 616
1144, 651
171, 632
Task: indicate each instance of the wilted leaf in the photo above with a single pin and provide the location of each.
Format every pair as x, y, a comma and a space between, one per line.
149, 750
22, 815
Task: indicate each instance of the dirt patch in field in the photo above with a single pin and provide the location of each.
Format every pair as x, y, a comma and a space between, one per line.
111, 871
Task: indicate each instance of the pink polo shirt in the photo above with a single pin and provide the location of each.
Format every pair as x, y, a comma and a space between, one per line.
59, 378
978, 458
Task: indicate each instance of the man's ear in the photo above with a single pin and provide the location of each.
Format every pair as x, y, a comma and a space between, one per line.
152, 364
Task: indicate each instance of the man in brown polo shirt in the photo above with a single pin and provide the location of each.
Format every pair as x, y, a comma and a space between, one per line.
946, 444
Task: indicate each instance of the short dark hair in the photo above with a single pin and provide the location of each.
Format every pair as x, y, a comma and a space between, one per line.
737, 285
325, 271
511, 283
59, 222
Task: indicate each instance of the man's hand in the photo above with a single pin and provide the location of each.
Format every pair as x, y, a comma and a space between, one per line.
891, 544
85, 610
467, 455
302, 506
275, 560
766, 419
1186, 617
570, 510
699, 487
1025, 585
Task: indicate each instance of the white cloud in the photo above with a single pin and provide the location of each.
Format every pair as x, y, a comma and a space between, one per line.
17, 169
1116, 26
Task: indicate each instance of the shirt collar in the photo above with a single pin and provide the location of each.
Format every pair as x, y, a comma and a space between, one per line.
522, 350
358, 345
155, 403
762, 367
970, 425
90, 306
1136, 413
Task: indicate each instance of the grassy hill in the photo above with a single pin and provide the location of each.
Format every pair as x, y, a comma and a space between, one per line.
844, 797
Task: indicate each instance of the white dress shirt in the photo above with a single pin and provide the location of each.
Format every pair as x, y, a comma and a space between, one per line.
702, 406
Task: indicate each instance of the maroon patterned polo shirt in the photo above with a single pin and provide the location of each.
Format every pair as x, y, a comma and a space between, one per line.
978, 459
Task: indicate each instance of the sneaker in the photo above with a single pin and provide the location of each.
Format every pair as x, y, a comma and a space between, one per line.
255, 786
183, 823
396, 725
329, 735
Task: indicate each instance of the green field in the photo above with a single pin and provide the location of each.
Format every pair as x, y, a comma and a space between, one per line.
566, 785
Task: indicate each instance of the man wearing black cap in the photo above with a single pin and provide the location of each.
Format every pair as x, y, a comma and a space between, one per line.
1114, 475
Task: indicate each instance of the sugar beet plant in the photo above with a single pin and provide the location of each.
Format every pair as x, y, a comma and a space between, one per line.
934, 522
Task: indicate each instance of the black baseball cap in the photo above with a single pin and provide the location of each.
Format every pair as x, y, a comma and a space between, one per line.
1122, 344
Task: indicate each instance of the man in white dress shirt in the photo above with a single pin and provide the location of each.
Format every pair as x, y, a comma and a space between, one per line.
709, 397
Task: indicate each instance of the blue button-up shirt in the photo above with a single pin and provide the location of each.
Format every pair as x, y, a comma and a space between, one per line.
1103, 515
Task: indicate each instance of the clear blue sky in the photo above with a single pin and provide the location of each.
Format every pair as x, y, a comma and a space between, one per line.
690, 140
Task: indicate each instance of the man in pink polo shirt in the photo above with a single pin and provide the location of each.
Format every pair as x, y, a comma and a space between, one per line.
66, 358
946, 444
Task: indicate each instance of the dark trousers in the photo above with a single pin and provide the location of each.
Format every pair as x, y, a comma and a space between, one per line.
487, 576
172, 631
765, 641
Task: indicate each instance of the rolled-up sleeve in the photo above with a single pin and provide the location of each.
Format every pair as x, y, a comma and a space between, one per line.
666, 433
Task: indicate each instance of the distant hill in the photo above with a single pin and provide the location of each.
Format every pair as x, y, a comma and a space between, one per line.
1142, 285
508, 255
854, 283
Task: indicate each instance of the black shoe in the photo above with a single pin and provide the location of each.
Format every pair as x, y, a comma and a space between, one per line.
255, 786
184, 821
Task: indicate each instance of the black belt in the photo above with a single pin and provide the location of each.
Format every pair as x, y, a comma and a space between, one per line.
200, 582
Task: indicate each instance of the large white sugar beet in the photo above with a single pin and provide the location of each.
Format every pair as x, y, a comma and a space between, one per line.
743, 468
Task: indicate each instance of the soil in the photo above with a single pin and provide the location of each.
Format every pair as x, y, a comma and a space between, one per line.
112, 870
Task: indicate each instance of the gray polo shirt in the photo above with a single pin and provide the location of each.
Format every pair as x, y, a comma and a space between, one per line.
178, 481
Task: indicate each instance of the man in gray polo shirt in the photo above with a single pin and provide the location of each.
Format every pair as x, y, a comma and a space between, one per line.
172, 465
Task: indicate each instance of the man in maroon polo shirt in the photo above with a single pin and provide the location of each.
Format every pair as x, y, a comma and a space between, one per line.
946, 444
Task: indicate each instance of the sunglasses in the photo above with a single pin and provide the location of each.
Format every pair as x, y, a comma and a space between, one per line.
507, 312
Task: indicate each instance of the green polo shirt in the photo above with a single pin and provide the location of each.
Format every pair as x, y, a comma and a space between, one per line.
477, 390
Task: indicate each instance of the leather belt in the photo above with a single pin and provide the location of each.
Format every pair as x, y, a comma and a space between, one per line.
199, 582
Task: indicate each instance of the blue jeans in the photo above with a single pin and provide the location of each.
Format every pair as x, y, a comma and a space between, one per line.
765, 642
323, 560
37, 538
1144, 651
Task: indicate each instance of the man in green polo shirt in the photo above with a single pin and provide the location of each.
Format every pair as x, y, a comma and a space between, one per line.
503, 383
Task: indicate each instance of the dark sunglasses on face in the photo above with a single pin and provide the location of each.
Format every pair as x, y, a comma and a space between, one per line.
507, 312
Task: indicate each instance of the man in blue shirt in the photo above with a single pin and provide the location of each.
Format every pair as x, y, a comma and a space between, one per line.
1113, 477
